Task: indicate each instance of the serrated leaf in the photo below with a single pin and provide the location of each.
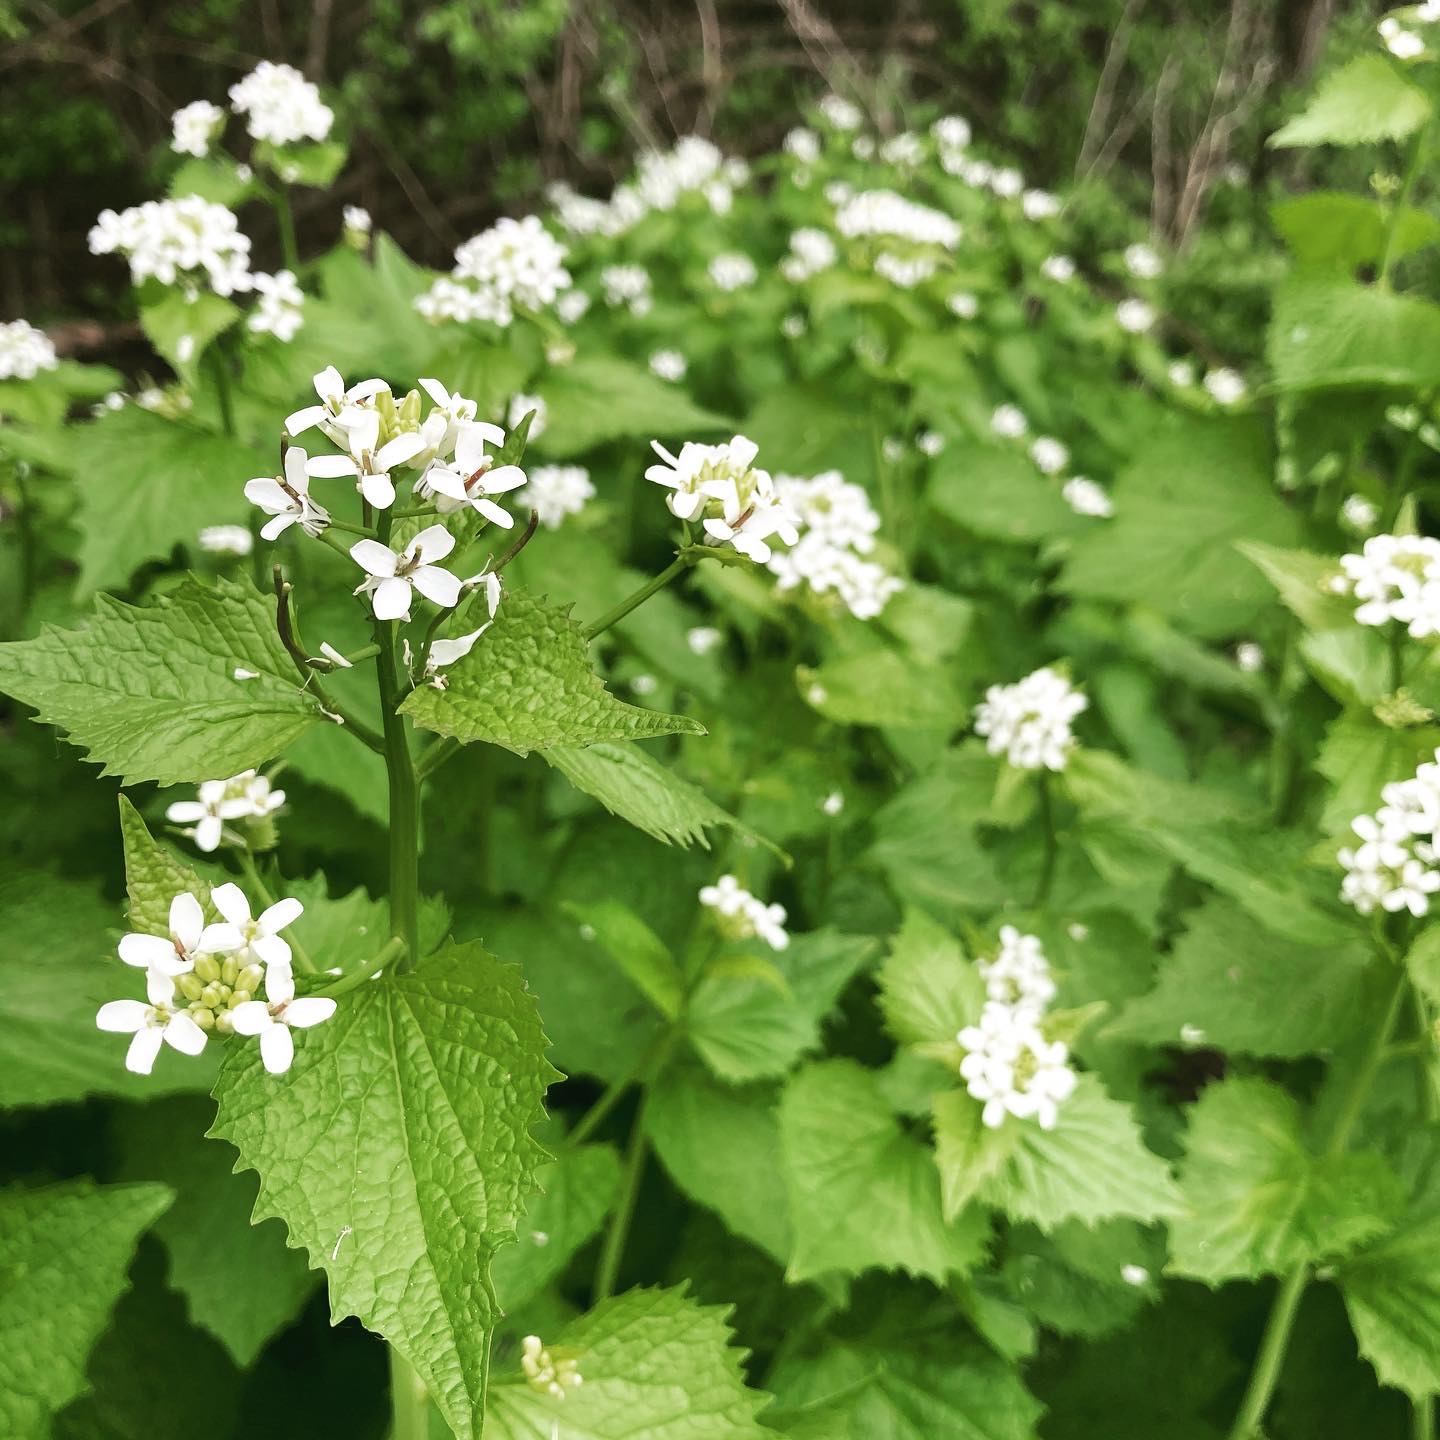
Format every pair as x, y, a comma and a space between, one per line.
240, 1281
576, 1192
1362, 102
654, 1364
398, 1152
181, 328
531, 686
1301, 578
151, 694
745, 1027
67, 1251
967, 1152
1092, 1166
628, 783
1329, 227
868, 1191
1360, 756
643, 957
153, 876
1257, 1201
1230, 985
929, 988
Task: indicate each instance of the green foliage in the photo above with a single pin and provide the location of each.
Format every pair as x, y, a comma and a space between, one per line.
1365, 101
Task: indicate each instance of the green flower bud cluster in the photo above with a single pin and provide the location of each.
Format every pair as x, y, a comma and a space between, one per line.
215, 987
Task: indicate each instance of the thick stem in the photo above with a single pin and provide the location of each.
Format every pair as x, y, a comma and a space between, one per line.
1422, 1419
1276, 1340
409, 1401
678, 566
404, 800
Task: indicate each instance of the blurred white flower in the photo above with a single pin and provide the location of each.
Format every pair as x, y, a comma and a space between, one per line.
280, 311
1142, 261
195, 126
668, 365
1060, 268
187, 241
1134, 315
1085, 497
1225, 386
741, 915
1049, 455
1029, 722
556, 491
1009, 421
24, 351
226, 540
733, 271
281, 106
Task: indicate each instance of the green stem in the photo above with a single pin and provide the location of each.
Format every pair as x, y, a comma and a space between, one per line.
678, 566
438, 753
404, 800
613, 1250
286, 218
335, 524
1422, 1419
409, 1401
1276, 1340
368, 971
1392, 229
1052, 845
609, 1098
1395, 639
258, 885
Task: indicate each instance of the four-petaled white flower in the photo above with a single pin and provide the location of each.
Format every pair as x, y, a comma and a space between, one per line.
154, 1024
173, 954
392, 576
259, 936
444, 653
369, 462
273, 1018
287, 498
468, 478
335, 400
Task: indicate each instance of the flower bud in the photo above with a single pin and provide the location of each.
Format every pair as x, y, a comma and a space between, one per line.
228, 971
248, 979
408, 415
207, 968
189, 986
213, 995
204, 1018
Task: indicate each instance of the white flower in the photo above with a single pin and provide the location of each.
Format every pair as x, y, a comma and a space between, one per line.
1401, 43
668, 365
513, 264
883, 213
572, 305
742, 915
226, 540
273, 1018
521, 406
469, 479
703, 639
1134, 1274
243, 796
335, 402
930, 442
189, 240
552, 1375
1013, 1069
369, 463
259, 937
1181, 374
1007, 183
195, 126
829, 505
491, 583
626, 286
1226, 387
1250, 657
1039, 205
951, 132
906, 271
392, 576
152, 1024
444, 653
281, 106
287, 498
1049, 455
1395, 578
280, 311
173, 954
1009, 421
556, 491
963, 305
1134, 315
1142, 261
1060, 268
1029, 722
733, 271
792, 327
1019, 975
833, 803
840, 114
823, 567
24, 351
802, 144
1085, 497
357, 220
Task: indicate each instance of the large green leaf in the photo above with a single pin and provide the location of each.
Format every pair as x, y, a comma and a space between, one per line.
66, 1252
641, 955
865, 1192
1331, 227
1000, 495
929, 988
398, 1152
530, 686
1362, 102
654, 1363
152, 694
883, 687
1257, 1201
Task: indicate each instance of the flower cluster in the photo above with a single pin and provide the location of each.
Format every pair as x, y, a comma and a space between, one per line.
550, 1372
247, 798
837, 526
1029, 722
280, 105
556, 491
1395, 865
811, 251
742, 915
627, 287
733, 271
514, 264
720, 486
189, 241
24, 351
195, 127
1395, 577
280, 308
882, 214
1009, 1064
203, 979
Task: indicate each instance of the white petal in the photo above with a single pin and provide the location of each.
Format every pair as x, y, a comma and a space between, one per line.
507, 477
445, 481
303, 419
229, 899
140, 1057
684, 505
251, 1018
184, 812
374, 558
187, 919
271, 949
184, 1035
399, 450
296, 461
361, 427
391, 600
492, 512
159, 988
330, 467
221, 939
122, 1017
434, 542
267, 494
436, 391
365, 390
279, 984
143, 951
274, 529
329, 383
309, 1010
280, 914
379, 490
277, 1049
437, 585
208, 833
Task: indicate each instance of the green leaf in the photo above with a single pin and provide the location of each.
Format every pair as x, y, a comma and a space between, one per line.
1092, 1166
1000, 495
1302, 580
181, 328
1230, 985
1392, 1292
531, 686
1329, 227
1195, 487
628, 783
1360, 756
748, 1028
967, 1152
1328, 331
151, 694
213, 177
330, 757
721, 1145
1362, 102
153, 876
315, 164
605, 398
53, 978
1257, 1202
239, 1280
398, 1152
929, 988
67, 1251
654, 1364
883, 687
642, 956
576, 1192
868, 1191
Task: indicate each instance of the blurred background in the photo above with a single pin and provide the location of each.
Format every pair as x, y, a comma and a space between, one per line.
460, 110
